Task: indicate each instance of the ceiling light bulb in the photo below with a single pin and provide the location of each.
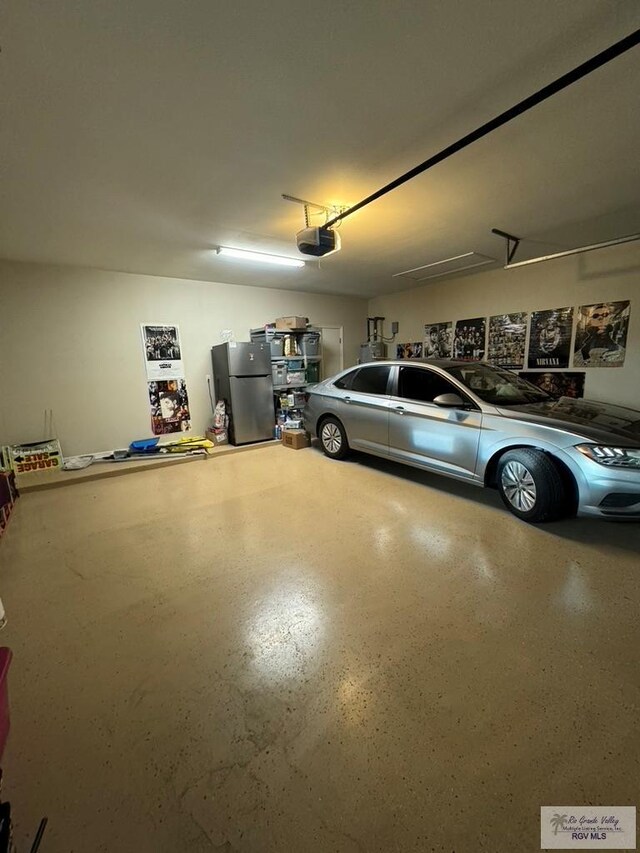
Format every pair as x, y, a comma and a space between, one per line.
259, 257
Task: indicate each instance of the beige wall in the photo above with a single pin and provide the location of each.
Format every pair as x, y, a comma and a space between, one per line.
602, 275
70, 341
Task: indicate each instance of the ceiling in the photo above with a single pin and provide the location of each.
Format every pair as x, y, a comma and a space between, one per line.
137, 136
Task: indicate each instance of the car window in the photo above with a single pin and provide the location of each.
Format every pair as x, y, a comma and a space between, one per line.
346, 380
497, 386
416, 383
371, 380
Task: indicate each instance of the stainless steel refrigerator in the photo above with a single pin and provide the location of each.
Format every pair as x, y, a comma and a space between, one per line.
242, 377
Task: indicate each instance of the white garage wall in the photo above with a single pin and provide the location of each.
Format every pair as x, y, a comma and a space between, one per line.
603, 275
70, 341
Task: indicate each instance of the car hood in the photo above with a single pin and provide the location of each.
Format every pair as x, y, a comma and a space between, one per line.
599, 422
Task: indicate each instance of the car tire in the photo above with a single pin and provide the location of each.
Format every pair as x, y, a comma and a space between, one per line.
333, 439
531, 485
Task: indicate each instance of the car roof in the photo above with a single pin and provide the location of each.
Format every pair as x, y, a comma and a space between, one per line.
438, 362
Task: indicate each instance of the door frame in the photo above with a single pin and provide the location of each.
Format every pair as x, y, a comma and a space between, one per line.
340, 330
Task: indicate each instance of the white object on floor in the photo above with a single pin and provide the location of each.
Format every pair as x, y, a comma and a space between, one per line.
75, 463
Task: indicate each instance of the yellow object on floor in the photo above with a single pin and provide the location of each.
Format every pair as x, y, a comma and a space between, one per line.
180, 445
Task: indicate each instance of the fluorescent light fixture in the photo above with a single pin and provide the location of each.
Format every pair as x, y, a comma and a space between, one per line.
259, 257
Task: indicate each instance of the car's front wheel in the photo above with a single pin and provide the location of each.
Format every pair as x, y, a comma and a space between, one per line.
333, 438
531, 486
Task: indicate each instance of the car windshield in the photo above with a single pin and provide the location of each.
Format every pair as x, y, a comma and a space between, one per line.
497, 386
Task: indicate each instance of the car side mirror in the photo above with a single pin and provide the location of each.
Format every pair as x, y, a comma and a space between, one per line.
450, 401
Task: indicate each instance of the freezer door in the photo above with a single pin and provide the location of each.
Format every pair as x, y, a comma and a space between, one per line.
252, 412
249, 359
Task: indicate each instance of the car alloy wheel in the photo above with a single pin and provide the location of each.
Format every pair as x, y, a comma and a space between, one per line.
519, 486
331, 438
531, 485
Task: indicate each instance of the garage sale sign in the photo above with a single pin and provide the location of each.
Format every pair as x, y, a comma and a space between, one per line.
37, 456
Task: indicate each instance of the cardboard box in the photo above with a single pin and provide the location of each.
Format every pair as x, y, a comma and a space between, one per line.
296, 439
218, 437
285, 324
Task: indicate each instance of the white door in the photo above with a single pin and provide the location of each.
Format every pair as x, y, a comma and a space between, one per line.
332, 360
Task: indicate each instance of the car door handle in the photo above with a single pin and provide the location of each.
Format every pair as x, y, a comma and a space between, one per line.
399, 410
346, 399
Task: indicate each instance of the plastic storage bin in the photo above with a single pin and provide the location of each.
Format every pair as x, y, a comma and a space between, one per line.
311, 343
268, 335
296, 377
313, 372
277, 345
279, 372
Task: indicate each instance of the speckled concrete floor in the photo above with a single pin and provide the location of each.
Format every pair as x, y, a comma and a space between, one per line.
277, 652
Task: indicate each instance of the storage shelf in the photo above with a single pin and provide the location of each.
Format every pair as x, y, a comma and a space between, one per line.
291, 387
262, 330
311, 359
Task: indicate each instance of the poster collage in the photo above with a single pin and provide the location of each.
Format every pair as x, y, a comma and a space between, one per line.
600, 341
166, 385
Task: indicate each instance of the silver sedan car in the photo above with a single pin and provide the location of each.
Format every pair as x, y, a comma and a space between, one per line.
484, 425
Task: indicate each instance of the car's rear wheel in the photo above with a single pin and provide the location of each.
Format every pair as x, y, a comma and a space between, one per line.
531, 485
333, 438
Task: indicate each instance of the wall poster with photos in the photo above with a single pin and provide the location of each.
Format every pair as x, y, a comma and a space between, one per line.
469, 339
166, 385
507, 336
410, 350
557, 384
169, 404
601, 334
438, 340
162, 351
550, 338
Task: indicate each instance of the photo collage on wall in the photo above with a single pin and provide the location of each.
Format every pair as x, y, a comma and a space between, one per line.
169, 403
410, 350
507, 336
166, 385
438, 340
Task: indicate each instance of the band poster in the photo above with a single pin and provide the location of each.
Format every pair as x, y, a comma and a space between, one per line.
162, 352
438, 340
409, 350
469, 339
169, 403
601, 334
557, 384
550, 338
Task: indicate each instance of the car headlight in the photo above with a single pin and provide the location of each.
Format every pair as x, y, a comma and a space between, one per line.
613, 457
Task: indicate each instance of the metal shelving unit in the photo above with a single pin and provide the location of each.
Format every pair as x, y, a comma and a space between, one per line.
291, 387
289, 406
311, 359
